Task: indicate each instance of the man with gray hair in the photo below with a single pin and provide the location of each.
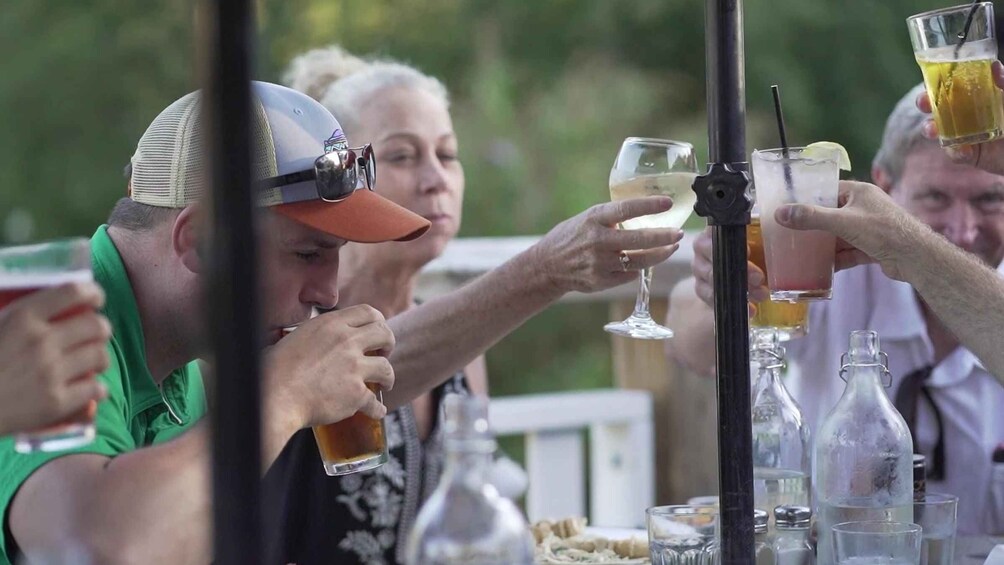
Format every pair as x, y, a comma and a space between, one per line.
946, 394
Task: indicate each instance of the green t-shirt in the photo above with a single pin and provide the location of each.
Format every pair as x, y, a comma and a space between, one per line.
137, 412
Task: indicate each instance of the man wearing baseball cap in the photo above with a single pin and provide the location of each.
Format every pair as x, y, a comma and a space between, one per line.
140, 492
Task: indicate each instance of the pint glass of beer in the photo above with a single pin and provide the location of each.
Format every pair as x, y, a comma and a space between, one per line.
955, 48
799, 263
357, 443
29, 268
790, 319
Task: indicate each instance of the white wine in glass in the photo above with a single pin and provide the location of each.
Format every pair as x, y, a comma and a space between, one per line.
652, 167
674, 185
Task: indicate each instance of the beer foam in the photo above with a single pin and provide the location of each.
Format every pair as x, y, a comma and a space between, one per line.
971, 51
12, 281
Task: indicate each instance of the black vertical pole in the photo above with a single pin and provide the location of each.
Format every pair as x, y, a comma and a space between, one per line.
724, 199
233, 287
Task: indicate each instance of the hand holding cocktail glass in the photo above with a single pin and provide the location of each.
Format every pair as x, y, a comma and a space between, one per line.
786, 268
799, 264
868, 226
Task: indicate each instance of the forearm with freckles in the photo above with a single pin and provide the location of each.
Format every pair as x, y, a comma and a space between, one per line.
444, 334
966, 295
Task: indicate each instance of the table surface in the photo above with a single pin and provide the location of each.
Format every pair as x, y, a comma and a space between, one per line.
973, 550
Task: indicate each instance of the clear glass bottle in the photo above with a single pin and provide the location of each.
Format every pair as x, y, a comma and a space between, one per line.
465, 519
782, 441
864, 452
791, 536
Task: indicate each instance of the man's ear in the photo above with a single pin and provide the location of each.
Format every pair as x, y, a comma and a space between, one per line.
186, 237
882, 179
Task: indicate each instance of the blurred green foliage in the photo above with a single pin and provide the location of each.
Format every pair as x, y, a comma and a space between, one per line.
543, 94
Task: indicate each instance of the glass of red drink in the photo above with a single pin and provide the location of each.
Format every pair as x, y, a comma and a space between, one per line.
25, 269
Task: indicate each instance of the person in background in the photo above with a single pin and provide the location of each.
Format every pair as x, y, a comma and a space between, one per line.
41, 359
950, 397
405, 114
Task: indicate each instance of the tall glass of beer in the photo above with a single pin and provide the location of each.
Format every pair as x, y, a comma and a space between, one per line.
357, 443
955, 48
790, 319
799, 263
29, 268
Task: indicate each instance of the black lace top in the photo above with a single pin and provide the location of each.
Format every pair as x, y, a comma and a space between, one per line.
364, 518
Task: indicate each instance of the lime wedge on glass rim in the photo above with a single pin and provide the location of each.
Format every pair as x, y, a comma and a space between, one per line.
824, 149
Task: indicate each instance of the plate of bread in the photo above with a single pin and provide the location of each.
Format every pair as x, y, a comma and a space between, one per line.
571, 541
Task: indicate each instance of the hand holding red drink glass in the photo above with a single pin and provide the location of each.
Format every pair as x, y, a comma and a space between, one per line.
54, 342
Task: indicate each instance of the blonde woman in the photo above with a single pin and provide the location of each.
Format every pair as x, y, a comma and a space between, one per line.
404, 114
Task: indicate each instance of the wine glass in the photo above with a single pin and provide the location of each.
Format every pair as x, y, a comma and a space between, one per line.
652, 167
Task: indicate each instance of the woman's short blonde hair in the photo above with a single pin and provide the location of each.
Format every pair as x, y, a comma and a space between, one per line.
342, 82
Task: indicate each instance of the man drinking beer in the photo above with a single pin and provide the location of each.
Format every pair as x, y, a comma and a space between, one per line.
140, 492
966, 206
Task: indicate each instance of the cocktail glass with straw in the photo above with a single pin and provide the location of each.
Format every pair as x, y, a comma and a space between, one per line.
799, 263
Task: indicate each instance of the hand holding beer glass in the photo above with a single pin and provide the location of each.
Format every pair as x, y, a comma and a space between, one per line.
955, 48
652, 167
26, 270
357, 443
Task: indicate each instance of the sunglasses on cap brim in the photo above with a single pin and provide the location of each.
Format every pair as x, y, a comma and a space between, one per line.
337, 174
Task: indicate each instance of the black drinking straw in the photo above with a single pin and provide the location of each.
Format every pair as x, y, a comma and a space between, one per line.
962, 35
784, 138
965, 30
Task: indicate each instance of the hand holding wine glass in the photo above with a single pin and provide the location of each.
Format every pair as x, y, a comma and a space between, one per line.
651, 167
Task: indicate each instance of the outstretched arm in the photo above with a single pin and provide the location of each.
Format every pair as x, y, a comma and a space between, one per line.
964, 293
581, 254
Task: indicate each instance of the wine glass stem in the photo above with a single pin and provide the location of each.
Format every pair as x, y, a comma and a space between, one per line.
641, 303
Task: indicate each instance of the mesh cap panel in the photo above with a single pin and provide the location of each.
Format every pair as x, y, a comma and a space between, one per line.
169, 167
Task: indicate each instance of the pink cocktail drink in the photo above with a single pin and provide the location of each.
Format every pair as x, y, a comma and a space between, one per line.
799, 263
